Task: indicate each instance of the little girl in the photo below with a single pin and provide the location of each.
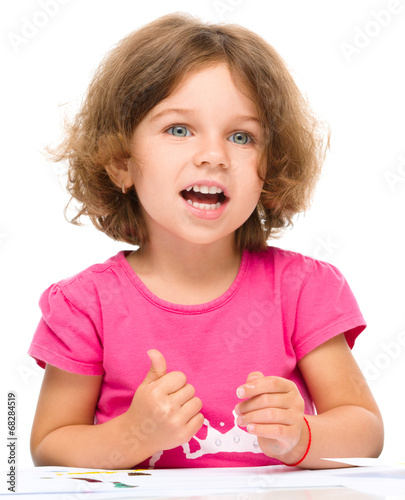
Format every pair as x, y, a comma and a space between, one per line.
203, 347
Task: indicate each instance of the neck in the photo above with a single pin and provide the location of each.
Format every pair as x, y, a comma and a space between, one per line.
191, 260
187, 273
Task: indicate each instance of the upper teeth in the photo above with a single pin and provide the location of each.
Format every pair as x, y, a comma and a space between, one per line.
205, 189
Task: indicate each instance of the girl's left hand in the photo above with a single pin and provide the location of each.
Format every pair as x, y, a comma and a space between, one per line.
273, 410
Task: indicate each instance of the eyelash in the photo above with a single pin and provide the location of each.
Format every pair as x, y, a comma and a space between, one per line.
250, 136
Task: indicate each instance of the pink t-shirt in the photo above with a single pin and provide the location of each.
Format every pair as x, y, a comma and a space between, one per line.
281, 306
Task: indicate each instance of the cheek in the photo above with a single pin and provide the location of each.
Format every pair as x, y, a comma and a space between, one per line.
254, 193
259, 183
142, 175
257, 193
254, 182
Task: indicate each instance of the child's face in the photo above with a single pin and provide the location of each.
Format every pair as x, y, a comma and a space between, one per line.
205, 136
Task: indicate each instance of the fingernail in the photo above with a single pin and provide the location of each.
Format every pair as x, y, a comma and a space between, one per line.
240, 392
239, 420
250, 428
237, 411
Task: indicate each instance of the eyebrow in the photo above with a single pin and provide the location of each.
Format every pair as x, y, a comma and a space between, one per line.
186, 111
169, 111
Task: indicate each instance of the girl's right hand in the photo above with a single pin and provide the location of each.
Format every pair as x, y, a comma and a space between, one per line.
164, 413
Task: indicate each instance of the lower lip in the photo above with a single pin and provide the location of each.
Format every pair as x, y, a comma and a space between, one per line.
206, 214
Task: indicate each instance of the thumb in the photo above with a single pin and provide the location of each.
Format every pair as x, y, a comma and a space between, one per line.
253, 376
157, 367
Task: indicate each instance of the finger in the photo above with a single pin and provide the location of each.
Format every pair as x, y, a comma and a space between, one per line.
254, 375
171, 383
267, 416
194, 424
184, 394
276, 432
277, 400
191, 408
264, 385
157, 368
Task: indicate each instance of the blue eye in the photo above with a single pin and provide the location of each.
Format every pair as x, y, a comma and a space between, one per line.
241, 138
179, 131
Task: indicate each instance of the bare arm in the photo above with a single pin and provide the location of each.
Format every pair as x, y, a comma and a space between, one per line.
63, 432
163, 414
348, 423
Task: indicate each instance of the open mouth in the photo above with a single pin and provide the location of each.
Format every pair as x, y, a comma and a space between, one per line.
204, 197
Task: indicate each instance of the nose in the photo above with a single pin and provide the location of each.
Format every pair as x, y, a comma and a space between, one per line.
211, 151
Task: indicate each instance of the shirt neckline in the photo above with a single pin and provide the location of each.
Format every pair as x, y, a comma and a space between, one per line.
185, 308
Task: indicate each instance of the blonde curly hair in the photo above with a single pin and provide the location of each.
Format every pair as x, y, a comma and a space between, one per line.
145, 68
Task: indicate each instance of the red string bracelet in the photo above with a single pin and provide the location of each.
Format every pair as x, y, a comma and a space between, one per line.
306, 451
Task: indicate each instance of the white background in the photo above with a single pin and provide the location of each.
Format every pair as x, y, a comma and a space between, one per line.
347, 56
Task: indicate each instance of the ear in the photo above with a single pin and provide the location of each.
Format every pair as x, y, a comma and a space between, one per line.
119, 173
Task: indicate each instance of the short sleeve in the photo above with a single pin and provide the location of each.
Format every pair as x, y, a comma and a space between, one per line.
326, 307
66, 336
